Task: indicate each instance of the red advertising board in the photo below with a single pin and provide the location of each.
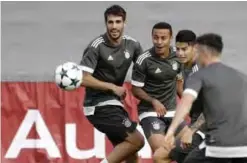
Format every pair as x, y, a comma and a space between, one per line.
41, 123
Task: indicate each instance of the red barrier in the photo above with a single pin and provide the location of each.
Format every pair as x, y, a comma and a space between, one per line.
43, 124
58, 126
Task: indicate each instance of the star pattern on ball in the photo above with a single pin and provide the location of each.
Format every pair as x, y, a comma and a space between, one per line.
75, 67
74, 82
63, 73
62, 86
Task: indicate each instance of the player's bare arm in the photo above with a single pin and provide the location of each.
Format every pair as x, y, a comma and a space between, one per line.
180, 83
139, 93
90, 81
187, 135
182, 110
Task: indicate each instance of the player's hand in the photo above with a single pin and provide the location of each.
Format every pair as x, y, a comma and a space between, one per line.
119, 91
186, 138
169, 140
159, 107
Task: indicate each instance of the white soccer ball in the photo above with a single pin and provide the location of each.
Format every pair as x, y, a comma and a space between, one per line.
68, 76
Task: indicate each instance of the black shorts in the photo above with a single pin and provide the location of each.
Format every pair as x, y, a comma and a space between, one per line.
178, 153
114, 121
158, 125
198, 156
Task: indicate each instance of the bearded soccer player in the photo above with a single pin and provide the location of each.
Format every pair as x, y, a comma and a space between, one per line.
105, 63
224, 93
154, 80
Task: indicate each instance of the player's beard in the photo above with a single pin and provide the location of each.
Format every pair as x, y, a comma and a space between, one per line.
115, 34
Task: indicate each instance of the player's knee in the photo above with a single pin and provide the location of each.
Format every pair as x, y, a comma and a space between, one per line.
141, 142
137, 140
161, 154
157, 157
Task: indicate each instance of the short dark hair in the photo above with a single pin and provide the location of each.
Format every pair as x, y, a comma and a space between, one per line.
163, 25
186, 36
211, 40
115, 10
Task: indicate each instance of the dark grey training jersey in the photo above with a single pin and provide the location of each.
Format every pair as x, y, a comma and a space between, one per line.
224, 93
108, 63
197, 107
157, 77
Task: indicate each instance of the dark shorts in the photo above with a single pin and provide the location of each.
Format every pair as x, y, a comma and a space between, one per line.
157, 125
178, 153
114, 121
198, 156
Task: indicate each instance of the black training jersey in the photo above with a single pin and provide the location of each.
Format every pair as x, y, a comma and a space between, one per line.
157, 77
224, 93
108, 63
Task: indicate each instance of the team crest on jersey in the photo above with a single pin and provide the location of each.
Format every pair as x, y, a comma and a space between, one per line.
156, 125
174, 65
126, 122
127, 54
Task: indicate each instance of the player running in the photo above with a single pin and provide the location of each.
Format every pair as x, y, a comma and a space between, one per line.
105, 63
224, 94
154, 79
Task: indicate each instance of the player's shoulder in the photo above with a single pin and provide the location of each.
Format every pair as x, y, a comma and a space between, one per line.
195, 67
200, 73
96, 42
143, 57
131, 40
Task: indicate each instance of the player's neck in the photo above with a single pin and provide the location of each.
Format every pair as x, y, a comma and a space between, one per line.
189, 64
166, 54
213, 60
114, 42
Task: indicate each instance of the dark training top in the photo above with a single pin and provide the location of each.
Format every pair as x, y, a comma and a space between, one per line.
108, 63
224, 95
157, 77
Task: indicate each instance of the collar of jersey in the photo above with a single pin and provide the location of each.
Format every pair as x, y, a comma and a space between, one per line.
108, 42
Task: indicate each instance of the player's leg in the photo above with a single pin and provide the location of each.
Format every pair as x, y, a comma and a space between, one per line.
126, 149
120, 130
132, 158
178, 153
154, 130
162, 155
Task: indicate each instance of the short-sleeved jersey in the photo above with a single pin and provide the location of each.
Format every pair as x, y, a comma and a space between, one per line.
108, 63
197, 107
157, 77
224, 93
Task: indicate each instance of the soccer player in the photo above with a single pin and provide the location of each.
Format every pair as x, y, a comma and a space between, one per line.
105, 63
192, 137
224, 94
154, 80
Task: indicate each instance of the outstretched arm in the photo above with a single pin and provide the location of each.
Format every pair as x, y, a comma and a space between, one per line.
199, 122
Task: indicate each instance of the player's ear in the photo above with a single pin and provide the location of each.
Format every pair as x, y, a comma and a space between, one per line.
171, 37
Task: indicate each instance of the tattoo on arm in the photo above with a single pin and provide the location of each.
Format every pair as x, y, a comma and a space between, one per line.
199, 122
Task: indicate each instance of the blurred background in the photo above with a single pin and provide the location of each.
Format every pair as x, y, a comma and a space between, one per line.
37, 36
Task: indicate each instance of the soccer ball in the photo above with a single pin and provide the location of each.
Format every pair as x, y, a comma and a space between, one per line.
68, 76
